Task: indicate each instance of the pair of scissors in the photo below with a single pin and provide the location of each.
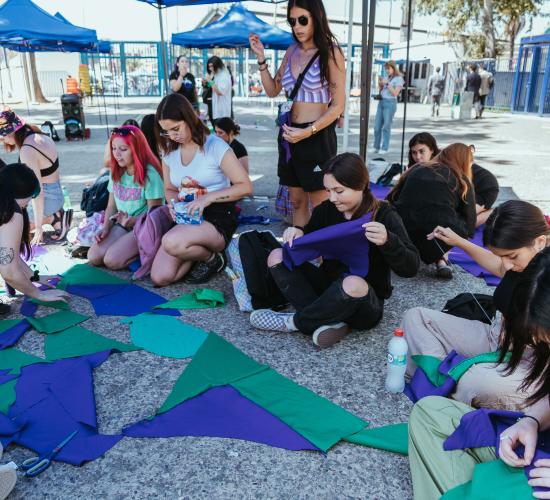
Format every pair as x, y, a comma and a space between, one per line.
37, 465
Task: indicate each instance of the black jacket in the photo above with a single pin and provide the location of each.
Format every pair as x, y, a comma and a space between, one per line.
473, 83
485, 186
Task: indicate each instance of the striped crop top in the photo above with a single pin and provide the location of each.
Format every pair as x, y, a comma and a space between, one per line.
313, 88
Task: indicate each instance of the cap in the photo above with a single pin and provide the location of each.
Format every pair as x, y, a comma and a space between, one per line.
398, 332
9, 123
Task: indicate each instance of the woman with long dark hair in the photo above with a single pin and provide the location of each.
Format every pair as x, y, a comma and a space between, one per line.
38, 151
18, 186
515, 233
434, 419
329, 300
308, 137
219, 80
438, 192
183, 82
422, 148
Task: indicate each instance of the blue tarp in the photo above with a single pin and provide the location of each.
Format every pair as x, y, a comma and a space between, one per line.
27, 28
102, 45
186, 3
232, 30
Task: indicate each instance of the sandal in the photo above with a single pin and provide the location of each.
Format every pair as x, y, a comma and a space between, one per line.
65, 218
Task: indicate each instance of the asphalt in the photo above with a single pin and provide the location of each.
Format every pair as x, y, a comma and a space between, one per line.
131, 386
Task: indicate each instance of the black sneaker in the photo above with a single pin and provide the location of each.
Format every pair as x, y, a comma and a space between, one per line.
201, 272
4, 309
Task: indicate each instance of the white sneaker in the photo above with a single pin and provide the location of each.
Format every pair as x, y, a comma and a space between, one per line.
383, 151
372, 150
8, 479
266, 319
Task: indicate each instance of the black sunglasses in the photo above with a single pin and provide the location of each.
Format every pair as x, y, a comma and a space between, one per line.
302, 20
122, 131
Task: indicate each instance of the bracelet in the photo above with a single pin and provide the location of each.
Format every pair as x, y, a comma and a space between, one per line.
261, 63
534, 418
35, 277
263, 69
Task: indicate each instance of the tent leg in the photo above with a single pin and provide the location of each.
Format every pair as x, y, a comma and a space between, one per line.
407, 81
348, 77
163, 50
366, 73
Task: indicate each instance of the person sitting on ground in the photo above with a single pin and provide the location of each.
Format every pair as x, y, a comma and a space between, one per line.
18, 186
515, 233
200, 166
437, 192
107, 151
327, 301
135, 186
486, 189
38, 151
434, 419
227, 130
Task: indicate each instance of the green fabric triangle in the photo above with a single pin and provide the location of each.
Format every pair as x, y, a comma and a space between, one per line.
84, 274
216, 363
56, 322
6, 324
199, 299
394, 437
78, 341
317, 419
464, 366
493, 481
14, 359
430, 366
56, 304
7, 395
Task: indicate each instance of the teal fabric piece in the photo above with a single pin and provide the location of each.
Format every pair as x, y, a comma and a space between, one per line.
486, 357
317, 419
166, 335
202, 298
57, 322
7, 395
430, 366
56, 304
6, 324
14, 359
394, 437
493, 481
84, 274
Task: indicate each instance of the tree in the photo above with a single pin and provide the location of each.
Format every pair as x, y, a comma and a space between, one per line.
38, 95
513, 14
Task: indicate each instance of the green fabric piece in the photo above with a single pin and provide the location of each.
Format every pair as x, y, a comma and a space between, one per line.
56, 304
199, 299
6, 324
317, 419
14, 359
83, 274
57, 322
78, 341
486, 357
493, 481
7, 395
430, 366
166, 335
394, 437
216, 363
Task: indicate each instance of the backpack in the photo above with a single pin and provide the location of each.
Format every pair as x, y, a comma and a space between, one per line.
386, 178
440, 84
48, 128
253, 285
95, 197
465, 306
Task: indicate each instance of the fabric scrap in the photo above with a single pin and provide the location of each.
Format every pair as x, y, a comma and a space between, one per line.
165, 335
394, 437
57, 322
7, 395
199, 299
94, 291
221, 412
84, 274
11, 330
13, 360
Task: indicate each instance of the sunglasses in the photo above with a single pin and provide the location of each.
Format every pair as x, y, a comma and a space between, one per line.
302, 20
122, 131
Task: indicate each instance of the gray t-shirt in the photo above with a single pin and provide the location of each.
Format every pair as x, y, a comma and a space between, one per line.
396, 81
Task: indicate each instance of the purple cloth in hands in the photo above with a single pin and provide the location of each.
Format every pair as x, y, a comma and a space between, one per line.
380, 191
221, 412
483, 428
53, 400
12, 335
345, 242
131, 300
285, 118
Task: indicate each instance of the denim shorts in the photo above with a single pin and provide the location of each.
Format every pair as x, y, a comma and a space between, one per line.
53, 200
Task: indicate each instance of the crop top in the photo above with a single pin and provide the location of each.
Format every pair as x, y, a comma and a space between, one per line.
44, 172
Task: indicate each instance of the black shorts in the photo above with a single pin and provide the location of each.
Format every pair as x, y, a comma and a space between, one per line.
307, 157
223, 217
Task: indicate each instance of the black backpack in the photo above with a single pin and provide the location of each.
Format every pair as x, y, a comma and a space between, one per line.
386, 178
254, 248
464, 305
95, 197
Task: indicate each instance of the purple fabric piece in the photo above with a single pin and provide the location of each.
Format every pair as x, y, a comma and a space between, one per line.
380, 191
53, 400
134, 265
345, 242
36, 251
461, 258
286, 119
420, 386
28, 308
94, 291
6, 376
12, 335
483, 428
221, 412
131, 300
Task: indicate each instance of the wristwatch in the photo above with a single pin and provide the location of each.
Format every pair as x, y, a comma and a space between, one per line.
313, 129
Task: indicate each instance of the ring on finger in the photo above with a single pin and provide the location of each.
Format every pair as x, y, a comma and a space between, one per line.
505, 436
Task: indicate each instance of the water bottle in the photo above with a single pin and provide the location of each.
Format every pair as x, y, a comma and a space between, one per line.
397, 362
66, 199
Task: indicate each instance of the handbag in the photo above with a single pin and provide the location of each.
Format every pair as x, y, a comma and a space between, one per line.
283, 111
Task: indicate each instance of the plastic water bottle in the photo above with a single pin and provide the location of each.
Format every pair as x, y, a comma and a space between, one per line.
397, 362
66, 199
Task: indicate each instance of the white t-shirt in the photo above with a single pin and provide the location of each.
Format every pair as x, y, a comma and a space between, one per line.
203, 174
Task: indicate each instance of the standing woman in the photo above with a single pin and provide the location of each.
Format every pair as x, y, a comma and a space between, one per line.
220, 82
389, 88
38, 151
227, 129
183, 82
310, 139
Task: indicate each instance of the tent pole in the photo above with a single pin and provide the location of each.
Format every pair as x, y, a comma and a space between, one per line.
163, 49
366, 73
104, 101
407, 80
28, 95
348, 76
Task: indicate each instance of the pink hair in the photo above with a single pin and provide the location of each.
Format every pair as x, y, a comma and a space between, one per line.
141, 154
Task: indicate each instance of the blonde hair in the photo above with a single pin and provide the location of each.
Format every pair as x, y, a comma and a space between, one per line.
392, 64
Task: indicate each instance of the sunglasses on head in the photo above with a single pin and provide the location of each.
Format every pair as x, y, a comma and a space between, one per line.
122, 131
302, 21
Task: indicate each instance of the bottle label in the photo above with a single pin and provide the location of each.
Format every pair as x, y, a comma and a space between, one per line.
399, 360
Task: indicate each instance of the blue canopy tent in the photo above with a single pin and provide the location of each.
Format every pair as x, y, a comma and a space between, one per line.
102, 46
232, 30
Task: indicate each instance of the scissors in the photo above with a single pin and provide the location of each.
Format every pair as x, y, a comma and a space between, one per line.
37, 465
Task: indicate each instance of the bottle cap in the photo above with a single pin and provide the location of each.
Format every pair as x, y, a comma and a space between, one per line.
398, 332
